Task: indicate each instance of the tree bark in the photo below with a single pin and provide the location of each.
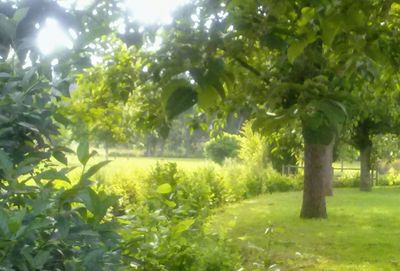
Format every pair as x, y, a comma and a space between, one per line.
365, 166
328, 175
316, 171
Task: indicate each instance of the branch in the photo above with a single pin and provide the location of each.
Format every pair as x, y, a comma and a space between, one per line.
250, 68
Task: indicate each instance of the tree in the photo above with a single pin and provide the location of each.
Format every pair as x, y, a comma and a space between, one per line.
299, 57
42, 228
281, 61
374, 119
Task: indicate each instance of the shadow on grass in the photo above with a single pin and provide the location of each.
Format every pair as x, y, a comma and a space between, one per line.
361, 233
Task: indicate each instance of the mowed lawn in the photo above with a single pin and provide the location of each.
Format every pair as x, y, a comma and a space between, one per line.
361, 233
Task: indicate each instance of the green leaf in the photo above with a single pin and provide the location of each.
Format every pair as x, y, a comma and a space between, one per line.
89, 199
180, 100
83, 151
53, 174
61, 119
375, 53
183, 226
170, 204
6, 164
330, 27
28, 76
7, 27
20, 14
62, 226
164, 189
93, 259
93, 169
60, 157
297, 48
208, 98
4, 223
273, 41
97, 203
29, 126
326, 121
355, 18
40, 259
307, 14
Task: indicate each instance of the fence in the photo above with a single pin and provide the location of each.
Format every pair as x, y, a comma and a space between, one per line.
337, 171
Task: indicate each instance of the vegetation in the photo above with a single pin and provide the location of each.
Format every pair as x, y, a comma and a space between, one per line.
222, 147
357, 236
288, 82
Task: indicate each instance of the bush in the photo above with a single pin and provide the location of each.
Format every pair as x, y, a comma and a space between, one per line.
391, 178
167, 231
222, 147
253, 147
280, 183
347, 180
49, 226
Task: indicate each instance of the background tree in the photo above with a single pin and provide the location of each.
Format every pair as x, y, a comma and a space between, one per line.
298, 57
281, 61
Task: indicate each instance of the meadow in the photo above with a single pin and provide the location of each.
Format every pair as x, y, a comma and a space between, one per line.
232, 208
361, 232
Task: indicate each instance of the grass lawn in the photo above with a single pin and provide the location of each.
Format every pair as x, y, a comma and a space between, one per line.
148, 162
361, 233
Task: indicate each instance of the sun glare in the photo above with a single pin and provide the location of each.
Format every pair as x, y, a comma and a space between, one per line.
52, 38
153, 11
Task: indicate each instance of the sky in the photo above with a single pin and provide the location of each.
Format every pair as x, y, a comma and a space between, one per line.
51, 38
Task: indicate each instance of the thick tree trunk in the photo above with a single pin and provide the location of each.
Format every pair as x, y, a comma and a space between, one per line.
365, 165
316, 171
328, 175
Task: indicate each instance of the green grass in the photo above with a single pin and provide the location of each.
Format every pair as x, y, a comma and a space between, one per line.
148, 162
142, 164
361, 233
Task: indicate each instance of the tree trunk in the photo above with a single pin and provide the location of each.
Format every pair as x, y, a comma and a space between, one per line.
328, 176
316, 171
365, 165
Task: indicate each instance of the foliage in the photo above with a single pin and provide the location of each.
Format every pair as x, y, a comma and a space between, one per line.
285, 147
98, 106
347, 180
167, 231
253, 147
222, 147
49, 223
390, 178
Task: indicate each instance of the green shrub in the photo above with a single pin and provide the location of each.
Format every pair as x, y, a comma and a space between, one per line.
167, 232
347, 180
49, 226
280, 183
389, 179
253, 147
224, 146
232, 178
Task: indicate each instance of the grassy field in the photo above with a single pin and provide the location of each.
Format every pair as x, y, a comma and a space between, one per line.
138, 166
361, 233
